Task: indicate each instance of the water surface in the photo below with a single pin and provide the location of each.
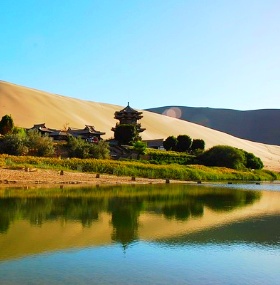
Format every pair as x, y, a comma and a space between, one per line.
146, 234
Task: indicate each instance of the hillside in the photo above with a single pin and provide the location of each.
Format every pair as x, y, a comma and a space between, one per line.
29, 106
254, 125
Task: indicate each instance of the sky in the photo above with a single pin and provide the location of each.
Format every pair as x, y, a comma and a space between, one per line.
151, 53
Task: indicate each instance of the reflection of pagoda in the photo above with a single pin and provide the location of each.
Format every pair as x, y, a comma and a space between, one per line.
129, 116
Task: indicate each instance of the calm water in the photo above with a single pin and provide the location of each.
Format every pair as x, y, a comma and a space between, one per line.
151, 234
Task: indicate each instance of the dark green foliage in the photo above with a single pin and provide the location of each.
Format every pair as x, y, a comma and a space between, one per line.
6, 124
79, 148
183, 143
198, 144
139, 147
100, 150
225, 156
170, 143
126, 134
169, 157
252, 161
39, 145
13, 144
19, 131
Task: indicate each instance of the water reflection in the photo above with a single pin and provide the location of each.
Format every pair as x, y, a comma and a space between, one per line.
123, 214
171, 234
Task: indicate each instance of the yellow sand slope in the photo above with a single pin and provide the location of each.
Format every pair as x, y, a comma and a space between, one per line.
29, 106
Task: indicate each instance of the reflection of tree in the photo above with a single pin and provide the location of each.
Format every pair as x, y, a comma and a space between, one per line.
174, 202
8, 211
183, 211
38, 210
229, 200
125, 213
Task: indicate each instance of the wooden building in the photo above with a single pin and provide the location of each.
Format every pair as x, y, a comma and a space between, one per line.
88, 133
129, 116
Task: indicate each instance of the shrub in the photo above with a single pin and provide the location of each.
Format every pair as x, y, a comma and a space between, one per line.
126, 134
198, 144
6, 124
13, 144
139, 147
77, 147
183, 143
170, 143
39, 145
225, 156
252, 161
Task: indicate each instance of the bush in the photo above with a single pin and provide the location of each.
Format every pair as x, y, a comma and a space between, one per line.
198, 144
6, 124
170, 143
77, 147
39, 145
225, 156
13, 144
126, 134
183, 143
252, 161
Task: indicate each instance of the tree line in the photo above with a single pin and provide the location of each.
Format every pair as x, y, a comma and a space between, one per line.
18, 141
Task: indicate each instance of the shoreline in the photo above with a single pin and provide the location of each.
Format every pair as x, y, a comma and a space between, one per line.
43, 177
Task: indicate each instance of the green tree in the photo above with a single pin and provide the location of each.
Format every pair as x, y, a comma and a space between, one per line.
170, 143
14, 144
198, 144
252, 161
139, 147
6, 124
39, 145
19, 131
77, 147
183, 143
224, 156
126, 134
99, 150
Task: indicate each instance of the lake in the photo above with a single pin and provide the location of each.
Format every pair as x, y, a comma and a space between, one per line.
141, 234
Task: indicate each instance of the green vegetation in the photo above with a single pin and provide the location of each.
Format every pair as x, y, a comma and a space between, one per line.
231, 157
197, 145
138, 169
184, 143
140, 147
79, 148
126, 134
170, 143
186, 163
6, 124
156, 156
30, 143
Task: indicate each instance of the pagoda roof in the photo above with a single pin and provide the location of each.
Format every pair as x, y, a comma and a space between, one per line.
128, 109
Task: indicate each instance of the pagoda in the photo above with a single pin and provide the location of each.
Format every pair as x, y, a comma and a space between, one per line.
129, 116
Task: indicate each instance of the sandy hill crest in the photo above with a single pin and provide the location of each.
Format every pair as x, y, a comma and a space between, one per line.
29, 106
254, 125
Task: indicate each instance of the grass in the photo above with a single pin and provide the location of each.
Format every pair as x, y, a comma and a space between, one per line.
138, 169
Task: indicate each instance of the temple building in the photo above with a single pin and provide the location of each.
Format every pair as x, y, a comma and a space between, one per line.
129, 116
88, 133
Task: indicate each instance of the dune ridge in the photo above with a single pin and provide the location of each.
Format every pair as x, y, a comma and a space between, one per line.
29, 106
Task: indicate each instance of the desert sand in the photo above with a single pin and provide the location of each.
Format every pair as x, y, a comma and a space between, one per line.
29, 106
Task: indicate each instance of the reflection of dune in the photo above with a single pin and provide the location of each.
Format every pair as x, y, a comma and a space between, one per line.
59, 235
57, 111
53, 236
152, 225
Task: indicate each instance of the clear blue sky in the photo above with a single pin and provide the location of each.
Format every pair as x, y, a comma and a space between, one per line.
211, 53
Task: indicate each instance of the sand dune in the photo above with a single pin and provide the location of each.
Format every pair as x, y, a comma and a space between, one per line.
29, 106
